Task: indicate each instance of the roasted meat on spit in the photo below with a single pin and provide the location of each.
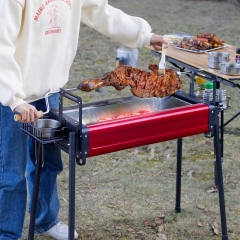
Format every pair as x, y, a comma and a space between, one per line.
142, 83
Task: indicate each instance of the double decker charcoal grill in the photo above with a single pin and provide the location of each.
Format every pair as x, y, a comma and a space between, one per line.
111, 125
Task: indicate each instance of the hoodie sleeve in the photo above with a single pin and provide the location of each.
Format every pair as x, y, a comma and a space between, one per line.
11, 93
131, 31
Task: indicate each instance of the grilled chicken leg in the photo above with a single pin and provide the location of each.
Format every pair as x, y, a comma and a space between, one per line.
142, 83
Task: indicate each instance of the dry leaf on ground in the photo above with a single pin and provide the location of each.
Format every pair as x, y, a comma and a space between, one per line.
190, 173
200, 223
147, 224
215, 228
215, 225
159, 221
201, 206
212, 190
136, 151
160, 228
216, 231
161, 237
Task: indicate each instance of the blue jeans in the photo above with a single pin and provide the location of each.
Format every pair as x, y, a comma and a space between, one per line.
17, 166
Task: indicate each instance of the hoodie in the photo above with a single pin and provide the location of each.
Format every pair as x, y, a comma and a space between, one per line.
39, 39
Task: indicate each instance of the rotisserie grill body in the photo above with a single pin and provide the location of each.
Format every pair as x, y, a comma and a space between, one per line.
121, 123
95, 128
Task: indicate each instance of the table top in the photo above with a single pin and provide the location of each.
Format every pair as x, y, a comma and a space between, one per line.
200, 60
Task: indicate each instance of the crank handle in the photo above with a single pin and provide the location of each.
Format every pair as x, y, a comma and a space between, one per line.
18, 117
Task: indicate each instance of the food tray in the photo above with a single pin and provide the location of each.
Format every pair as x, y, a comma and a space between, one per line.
200, 51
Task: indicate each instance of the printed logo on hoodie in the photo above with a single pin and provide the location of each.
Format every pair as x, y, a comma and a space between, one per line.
53, 22
52, 11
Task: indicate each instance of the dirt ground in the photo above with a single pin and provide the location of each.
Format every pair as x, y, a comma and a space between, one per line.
131, 194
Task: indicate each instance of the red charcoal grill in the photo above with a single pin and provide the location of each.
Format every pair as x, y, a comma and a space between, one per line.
82, 135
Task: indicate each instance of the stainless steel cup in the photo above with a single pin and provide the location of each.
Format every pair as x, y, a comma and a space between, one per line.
47, 128
215, 58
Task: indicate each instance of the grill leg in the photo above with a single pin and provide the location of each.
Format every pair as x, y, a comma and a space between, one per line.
215, 171
72, 153
178, 175
39, 159
220, 182
221, 146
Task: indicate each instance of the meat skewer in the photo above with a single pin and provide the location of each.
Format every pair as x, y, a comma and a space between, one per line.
143, 84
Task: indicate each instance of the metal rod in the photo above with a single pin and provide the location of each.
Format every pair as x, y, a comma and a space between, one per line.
178, 175
237, 114
72, 152
39, 155
47, 95
222, 132
220, 181
217, 85
191, 90
215, 172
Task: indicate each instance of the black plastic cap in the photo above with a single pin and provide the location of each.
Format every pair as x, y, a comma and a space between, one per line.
238, 51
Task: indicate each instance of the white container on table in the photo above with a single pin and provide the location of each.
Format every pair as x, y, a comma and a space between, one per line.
127, 56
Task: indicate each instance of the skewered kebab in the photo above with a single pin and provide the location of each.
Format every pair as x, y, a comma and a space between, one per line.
143, 84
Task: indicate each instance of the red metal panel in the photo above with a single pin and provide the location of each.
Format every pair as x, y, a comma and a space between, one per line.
129, 132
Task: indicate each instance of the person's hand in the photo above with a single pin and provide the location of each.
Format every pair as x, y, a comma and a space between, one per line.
156, 42
28, 112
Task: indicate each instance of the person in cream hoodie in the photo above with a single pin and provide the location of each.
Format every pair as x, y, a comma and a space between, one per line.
38, 43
